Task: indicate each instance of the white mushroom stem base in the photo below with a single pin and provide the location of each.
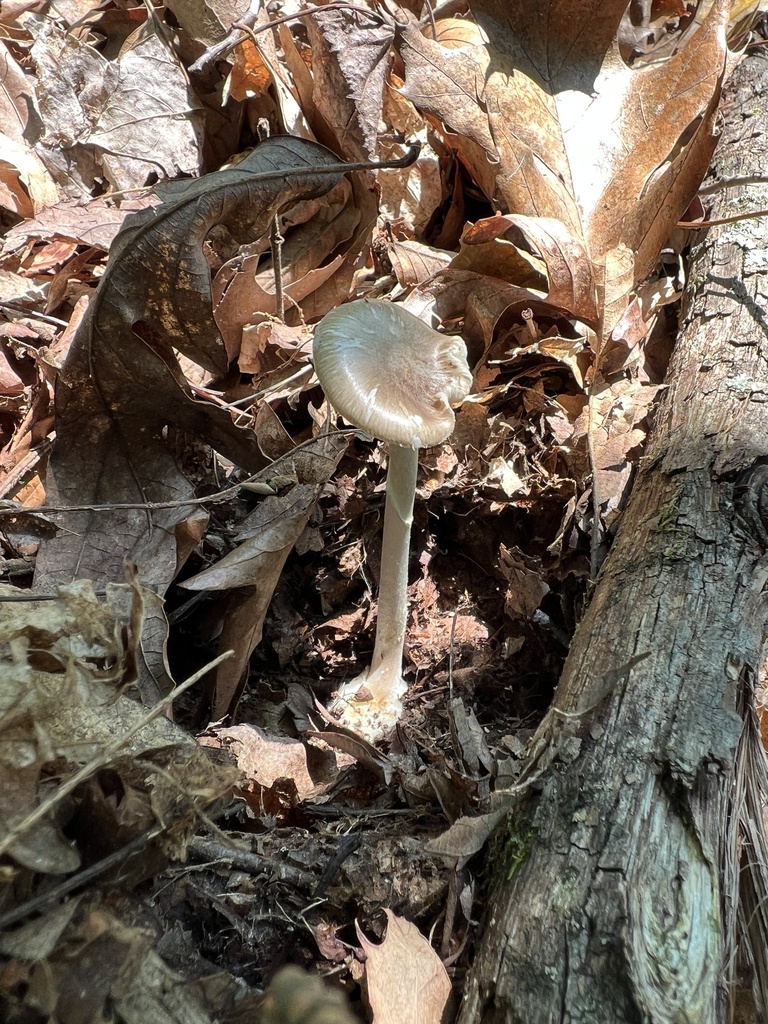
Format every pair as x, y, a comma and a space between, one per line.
372, 702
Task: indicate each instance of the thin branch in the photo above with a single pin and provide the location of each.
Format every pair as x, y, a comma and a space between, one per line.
692, 225
718, 186
15, 308
594, 543
78, 880
276, 244
275, 239
8, 508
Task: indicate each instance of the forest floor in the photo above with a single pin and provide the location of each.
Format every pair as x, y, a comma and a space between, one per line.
159, 510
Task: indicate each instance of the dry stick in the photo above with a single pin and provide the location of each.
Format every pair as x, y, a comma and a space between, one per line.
78, 880
275, 239
8, 508
276, 243
106, 754
594, 541
692, 224
718, 186
431, 16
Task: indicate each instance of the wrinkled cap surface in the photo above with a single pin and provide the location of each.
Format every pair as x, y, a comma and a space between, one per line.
389, 374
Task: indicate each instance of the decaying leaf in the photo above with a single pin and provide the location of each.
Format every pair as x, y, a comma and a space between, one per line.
121, 385
320, 238
126, 119
467, 836
101, 966
349, 60
64, 664
253, 568
404, 976
274, 768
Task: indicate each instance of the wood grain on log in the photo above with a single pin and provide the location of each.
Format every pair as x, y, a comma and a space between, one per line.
614, 912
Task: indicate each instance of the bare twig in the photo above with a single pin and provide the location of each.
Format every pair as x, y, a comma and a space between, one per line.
32, 314
718, 186
693, 225
209, 849
78, 880
8, 508
431, 16
276, 242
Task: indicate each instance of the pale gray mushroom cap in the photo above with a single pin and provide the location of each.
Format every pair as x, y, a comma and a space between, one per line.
389, 374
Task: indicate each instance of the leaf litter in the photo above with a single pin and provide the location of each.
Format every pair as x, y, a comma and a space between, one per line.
174, 490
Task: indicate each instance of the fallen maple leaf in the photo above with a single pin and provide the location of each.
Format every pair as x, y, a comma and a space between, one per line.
568, 131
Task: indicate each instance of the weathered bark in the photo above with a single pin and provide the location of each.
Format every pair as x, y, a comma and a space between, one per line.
617, 913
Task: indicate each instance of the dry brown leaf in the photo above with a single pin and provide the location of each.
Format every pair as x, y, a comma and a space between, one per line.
85, 965
447, 81
405, 978
320, 240
526, 588
64, 664
350, 57
26, 187
121, 384
466, 837
268, 535
208, 21
267, 68
93, 223
274, 768
249, 74
124, 119
513, 249
17, 96
268, 344
414, 263
409, 196
617, 427
571, 132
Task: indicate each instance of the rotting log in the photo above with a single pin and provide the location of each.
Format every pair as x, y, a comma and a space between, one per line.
608, 905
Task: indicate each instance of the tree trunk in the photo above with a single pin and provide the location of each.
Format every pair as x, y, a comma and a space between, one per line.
615, 908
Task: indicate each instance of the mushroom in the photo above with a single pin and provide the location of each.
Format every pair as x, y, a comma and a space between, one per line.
392, 376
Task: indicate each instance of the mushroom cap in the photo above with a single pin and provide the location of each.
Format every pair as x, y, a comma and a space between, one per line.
390, 374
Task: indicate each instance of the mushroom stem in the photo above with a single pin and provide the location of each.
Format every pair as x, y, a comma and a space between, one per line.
385, 679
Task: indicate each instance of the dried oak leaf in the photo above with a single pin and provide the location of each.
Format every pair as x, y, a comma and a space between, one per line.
513, 248
121, 385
